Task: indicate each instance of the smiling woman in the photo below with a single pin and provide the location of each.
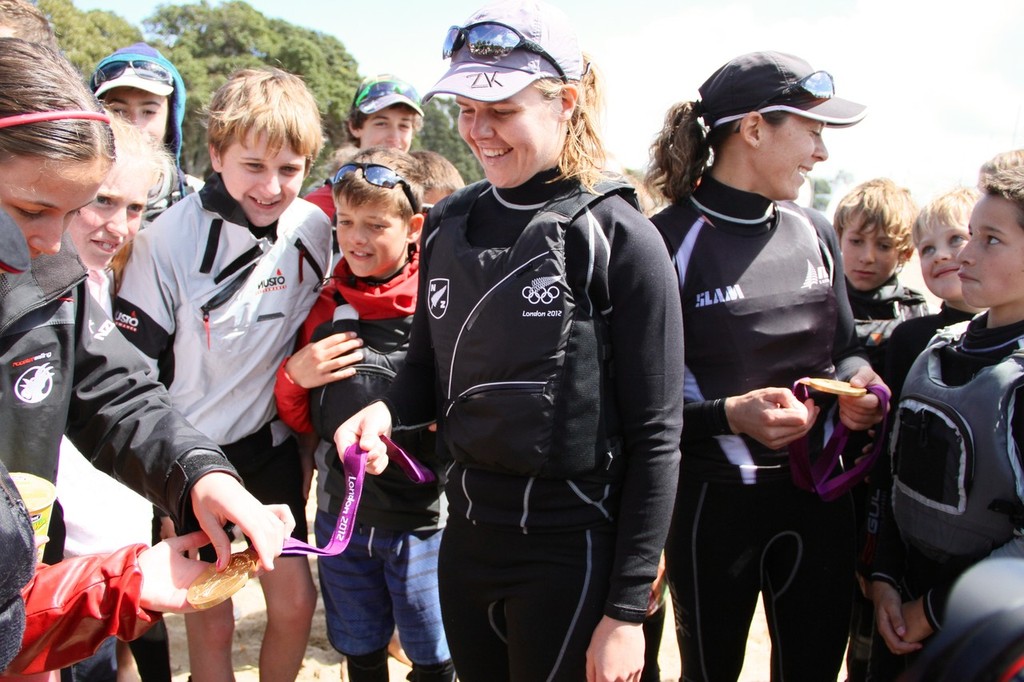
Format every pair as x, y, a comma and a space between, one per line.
731, 164
516, 324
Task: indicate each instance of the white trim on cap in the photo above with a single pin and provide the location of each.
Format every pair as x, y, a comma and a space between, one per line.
828, 120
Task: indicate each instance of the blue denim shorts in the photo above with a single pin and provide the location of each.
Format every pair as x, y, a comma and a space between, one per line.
383, 579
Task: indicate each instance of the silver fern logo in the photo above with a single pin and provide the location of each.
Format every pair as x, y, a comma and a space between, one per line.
816, 276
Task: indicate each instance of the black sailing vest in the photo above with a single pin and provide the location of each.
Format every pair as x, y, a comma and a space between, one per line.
521, 342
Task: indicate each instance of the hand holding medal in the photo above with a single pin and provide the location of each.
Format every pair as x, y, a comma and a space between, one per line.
213, 587
834, 386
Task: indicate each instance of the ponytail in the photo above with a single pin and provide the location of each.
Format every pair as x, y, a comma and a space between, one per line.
679, 155
583, 157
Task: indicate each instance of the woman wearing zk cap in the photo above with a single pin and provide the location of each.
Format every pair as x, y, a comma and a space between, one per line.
764, 304
547, 317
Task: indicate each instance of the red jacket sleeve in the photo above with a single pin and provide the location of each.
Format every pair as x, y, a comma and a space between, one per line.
293, 400
73, 606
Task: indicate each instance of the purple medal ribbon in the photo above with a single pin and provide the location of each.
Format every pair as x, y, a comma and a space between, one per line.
353, 463
815, 477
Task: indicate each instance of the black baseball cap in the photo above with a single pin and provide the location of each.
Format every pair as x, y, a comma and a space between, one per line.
14, 256
774, 81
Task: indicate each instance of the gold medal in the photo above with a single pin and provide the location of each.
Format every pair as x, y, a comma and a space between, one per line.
833, 386
211, 587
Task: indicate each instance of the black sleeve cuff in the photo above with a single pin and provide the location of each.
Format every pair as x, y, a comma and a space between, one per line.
705, 419
188, 469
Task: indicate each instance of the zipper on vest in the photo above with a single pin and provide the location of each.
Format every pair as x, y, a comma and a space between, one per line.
305, 255
222, 297
480, 390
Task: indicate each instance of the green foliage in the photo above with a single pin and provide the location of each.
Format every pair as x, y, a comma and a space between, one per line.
821, 190
440, 134
210, 41
87, 37
207, 41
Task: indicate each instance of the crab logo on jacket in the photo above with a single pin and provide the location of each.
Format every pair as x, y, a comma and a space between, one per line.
35, 384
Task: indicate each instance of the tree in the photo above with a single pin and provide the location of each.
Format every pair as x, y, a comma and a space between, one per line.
87, 37
209, 42
440, 134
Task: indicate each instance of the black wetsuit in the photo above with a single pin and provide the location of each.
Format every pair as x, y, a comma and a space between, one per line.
877, 313
764, 303
530, 564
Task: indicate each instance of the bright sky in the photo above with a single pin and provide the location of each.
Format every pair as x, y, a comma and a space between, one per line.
943, 79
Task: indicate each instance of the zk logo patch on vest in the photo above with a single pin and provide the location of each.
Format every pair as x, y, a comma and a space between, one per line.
437, 295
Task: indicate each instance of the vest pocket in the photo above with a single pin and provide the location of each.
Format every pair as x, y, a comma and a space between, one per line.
333, 403
503, 426
933, 460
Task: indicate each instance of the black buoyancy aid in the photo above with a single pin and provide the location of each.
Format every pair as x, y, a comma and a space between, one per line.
521, 342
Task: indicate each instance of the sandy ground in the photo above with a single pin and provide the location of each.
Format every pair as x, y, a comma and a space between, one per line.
323, 663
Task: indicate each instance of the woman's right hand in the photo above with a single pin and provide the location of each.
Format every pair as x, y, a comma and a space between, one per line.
366, 427
771, 416
329, 359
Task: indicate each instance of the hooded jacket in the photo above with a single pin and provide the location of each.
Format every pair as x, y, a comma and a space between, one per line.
175, 101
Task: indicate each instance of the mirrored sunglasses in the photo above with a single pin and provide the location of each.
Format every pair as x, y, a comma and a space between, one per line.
379, 176
143, 69
493, 39
818, 85
377, 89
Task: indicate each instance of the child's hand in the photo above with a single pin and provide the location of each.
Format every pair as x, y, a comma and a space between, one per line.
918, 627
329, 359
366, 427
167, 573
860, 413
890, 620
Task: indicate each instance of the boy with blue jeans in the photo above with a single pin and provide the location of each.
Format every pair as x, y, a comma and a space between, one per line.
351, 345
956, 442
213, 295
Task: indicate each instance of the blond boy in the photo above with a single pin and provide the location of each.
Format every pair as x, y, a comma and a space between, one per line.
213, 296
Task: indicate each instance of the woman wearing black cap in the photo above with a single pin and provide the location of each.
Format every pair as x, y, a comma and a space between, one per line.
764, 304
546, 345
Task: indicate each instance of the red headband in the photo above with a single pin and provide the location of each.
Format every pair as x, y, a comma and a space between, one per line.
41, 116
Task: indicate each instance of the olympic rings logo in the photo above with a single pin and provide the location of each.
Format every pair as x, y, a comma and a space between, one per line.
540, 294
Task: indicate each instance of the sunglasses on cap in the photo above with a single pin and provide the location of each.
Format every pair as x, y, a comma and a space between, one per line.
379, 176
492, 39
151, 71
818, 85
380, 88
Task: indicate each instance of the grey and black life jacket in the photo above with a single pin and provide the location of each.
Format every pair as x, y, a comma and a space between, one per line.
957, 473
521, 342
